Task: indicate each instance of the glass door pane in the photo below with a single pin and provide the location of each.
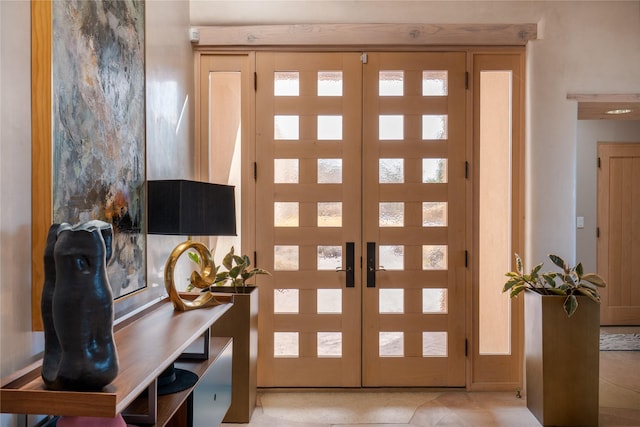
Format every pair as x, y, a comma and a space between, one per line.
494, 211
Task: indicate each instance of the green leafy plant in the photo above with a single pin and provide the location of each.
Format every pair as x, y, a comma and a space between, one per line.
569, 282
237, 272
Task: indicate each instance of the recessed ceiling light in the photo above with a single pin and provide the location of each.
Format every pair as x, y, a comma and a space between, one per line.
619, 111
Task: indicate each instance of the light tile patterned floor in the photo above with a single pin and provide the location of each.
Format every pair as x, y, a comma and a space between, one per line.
619, 404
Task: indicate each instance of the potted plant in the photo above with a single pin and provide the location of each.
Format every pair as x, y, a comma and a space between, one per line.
562, 330
570, 282
237, 273
240, 323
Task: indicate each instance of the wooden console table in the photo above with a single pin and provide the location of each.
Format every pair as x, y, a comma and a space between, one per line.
147, 344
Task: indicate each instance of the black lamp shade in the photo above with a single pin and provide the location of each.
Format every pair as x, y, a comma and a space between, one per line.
190, 208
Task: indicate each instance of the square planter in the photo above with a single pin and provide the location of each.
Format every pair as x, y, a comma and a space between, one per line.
241, 324
562, 360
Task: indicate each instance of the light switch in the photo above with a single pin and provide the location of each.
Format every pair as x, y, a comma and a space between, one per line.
580, 222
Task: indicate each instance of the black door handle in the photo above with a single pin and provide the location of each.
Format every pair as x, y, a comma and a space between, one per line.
350, 280
371, 264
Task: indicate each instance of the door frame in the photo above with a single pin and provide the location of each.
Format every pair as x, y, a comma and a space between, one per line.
223, 40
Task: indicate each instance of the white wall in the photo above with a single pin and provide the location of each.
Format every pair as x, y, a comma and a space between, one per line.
15, 187
582, 46
17, 343
169, 78
590, 132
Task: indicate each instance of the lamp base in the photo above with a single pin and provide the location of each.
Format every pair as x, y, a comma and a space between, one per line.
200, 280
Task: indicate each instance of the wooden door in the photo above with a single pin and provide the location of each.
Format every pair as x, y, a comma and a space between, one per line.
414, 219
619, 232
360, 201
308, 204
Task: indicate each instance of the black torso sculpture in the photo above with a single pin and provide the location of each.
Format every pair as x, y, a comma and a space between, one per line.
80, 351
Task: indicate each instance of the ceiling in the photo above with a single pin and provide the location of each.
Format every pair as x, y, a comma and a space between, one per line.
598, 110
602, 106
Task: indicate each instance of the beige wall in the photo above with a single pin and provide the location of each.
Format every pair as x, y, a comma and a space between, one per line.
590, 132
16, 344
583, 46
169, 79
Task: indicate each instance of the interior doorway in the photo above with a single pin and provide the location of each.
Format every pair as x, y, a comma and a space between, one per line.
619, 232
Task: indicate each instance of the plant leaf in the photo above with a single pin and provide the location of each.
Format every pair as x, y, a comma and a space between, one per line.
535, 270
516, 290
222, 277
511, 283
227, 260
570, 305
579, 270
246, 260
235, 271
557, 261
588, 293
259, 271
550, 279
194, 257
594, 278
519, 267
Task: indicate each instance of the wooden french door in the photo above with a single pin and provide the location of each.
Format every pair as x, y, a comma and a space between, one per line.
619, 232
308, 204
360, 205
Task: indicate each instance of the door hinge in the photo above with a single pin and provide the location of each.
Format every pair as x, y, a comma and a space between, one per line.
599, 163
255, 171
466, 169
466, 258
597, 231
255, 259
466, 347
255, 81
364, 58
466, 80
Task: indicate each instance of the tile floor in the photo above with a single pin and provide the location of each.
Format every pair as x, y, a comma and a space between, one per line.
619, 404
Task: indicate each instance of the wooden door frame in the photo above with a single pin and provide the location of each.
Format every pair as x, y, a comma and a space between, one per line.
497, 372
396, 37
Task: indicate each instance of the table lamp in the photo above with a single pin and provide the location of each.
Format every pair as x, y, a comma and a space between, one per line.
190, 208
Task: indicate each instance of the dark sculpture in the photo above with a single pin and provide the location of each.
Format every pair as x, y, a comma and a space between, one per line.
77, 308
52, 350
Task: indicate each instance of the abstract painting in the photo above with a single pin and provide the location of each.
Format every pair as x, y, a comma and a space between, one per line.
98, 126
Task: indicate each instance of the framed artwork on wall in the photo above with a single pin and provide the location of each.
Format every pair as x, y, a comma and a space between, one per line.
88, 131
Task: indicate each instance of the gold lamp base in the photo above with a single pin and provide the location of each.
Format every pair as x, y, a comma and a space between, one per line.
200, 280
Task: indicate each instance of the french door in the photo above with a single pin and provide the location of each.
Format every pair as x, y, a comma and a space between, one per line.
360, 217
